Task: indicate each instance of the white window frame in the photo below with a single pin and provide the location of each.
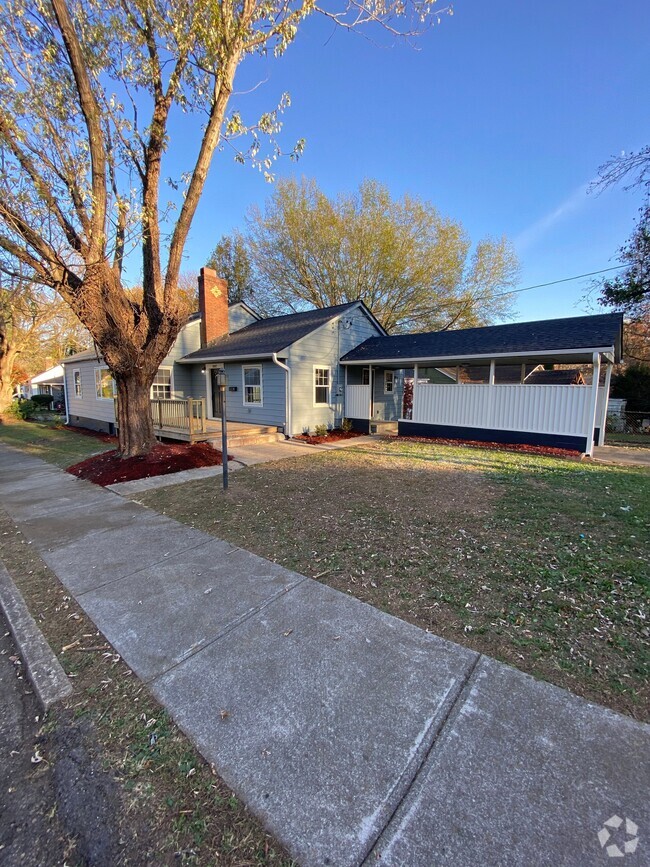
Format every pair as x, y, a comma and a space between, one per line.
77, 392
390, 390
99, 396
329, 385
244, 368
171, 383
364, 371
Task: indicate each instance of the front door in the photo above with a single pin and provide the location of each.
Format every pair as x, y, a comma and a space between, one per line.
215, 391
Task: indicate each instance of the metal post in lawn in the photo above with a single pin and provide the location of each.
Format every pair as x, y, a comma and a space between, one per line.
222, 381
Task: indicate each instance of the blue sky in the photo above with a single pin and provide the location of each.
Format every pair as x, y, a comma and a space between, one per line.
500, 117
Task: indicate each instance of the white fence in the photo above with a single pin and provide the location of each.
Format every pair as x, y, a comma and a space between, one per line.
357, 401
553, 409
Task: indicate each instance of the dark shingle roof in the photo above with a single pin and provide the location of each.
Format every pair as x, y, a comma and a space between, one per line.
570, 376
547, 335
268, 335
84, 355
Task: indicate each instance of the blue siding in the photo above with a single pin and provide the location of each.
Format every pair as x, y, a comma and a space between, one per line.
239, 317
88, 407
323, 348
273, 392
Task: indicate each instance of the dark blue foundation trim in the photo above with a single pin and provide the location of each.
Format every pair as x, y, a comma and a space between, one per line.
362, 425
527, 438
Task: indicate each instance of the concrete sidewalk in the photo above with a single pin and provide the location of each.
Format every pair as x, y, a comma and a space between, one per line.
355, 737
624, 455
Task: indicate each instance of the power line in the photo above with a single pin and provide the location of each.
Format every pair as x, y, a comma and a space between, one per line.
555, 282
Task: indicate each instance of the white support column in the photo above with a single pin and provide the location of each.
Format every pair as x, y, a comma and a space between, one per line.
592, 405
602, 420
491, 395
415, 388
371, 390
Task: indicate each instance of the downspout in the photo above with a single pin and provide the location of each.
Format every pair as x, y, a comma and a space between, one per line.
65, 395
288, 432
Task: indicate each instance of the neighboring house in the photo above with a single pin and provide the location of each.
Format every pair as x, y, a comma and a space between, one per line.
48, 382
291, 373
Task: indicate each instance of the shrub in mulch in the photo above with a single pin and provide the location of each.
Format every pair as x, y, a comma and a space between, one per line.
109, 468
330, 437
549, 451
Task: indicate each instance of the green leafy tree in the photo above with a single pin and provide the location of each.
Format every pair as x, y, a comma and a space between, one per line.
231, 260
91, 95
412, 266
633, 384
629, 291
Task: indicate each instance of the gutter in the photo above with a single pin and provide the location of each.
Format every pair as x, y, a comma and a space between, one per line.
287, 427
224, 358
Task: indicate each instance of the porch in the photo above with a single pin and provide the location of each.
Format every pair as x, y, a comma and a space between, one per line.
187, 421
433, 399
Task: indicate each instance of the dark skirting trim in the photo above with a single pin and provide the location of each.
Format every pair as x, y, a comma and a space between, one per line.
486, 435
362, 425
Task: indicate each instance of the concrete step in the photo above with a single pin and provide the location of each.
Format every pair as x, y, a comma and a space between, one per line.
247, 439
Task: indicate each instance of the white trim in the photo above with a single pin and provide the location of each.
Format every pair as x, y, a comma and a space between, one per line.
602, 421
244, 368
591, 409
170, 368
75, 371
445, 360
101, 397
392, 383
316, 367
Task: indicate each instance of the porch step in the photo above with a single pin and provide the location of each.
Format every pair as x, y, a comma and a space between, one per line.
247, 439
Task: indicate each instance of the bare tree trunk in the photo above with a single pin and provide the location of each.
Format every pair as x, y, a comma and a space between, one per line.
7, 358
136, 436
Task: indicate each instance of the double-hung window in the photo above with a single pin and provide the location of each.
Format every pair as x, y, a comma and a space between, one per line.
389, 381
161, 388
104, 384
76, 376
252, 385
321, 386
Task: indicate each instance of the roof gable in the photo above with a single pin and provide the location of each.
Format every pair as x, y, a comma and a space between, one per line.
269, 336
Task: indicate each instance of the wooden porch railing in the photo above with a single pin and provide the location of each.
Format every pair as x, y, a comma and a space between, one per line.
186, 414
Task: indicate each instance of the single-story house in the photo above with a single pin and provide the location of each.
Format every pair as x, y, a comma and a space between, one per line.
287, 374
50, 381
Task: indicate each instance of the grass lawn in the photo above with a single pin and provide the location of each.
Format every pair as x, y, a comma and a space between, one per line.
633, 440
541, 562
49, 441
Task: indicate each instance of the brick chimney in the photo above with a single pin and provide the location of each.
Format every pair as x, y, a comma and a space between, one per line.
213, 306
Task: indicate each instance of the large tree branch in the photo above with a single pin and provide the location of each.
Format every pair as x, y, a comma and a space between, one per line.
93, 119
41, 187
223, 89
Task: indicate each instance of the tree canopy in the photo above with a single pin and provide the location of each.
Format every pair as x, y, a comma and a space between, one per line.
414, 268
629, 291
91, 94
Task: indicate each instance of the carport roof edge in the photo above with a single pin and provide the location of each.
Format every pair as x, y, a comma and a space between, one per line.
573, 339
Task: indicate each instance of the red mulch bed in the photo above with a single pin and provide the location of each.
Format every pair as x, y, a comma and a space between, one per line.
505, 447
109, 468
331, 437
